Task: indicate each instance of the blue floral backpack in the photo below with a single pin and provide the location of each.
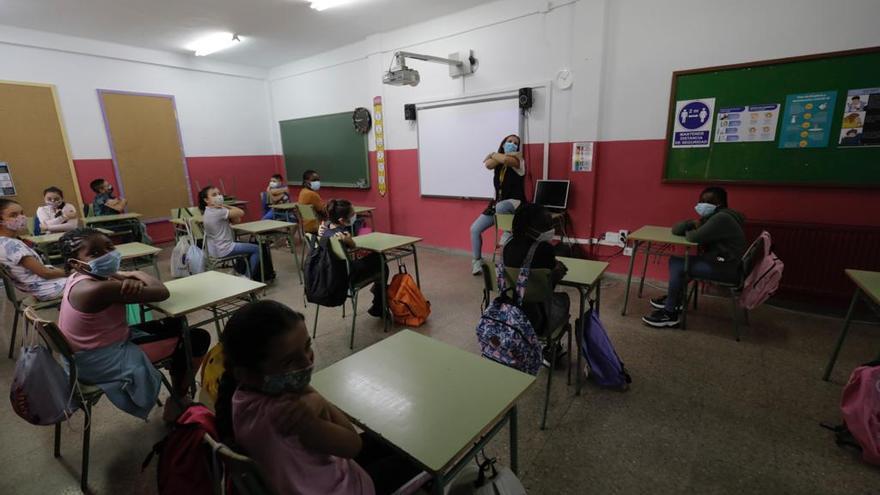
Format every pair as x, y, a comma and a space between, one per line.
505, 332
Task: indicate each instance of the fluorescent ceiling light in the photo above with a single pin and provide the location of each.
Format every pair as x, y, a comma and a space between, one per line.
214, 43
328, 4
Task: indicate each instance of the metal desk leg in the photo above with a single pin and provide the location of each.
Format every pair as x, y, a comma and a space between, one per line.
416, 262
645, 268
187, 348
381, 281
156, 267
629, 276
598, 295
262, 265
840, 339
579, 332
514, 438
684, 291
295, 257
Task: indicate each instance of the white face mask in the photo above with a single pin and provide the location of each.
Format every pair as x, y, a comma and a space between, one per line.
315, 185
546, 236
705, 209
218, 200
273, 184
54, 203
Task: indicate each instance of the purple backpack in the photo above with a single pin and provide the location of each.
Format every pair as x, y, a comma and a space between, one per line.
604, 367
505, 333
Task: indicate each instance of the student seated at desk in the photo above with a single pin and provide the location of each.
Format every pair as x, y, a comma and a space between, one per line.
532, 224
109, 353
23, 263
265, 405
308, 195
340, 219
276, 194
56, 215
719, 232
219, 238
105, 203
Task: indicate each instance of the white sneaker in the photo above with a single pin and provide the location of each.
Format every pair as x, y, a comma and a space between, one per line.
476, 267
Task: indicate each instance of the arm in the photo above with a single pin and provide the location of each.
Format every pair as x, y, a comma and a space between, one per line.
303, 417
276, 194
67, 226
151, 290
117, 204
512, 160
36, 266
712, 230
682, 227
235, 214
490, 162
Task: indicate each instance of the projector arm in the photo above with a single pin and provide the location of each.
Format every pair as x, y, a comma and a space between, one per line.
402, 56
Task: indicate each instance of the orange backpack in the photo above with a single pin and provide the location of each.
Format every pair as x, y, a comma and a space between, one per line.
406, 302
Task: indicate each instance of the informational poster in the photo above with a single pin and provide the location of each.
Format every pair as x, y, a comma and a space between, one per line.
807, 120
7, 188
861, 118
582, 157
693, 123
749, 123
379, 131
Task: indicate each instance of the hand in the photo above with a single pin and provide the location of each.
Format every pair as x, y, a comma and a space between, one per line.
134, 275
321, 229
131, 287
698, 222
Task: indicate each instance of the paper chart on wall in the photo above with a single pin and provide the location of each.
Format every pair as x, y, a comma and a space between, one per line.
807, 120
861, 118
582, 157
748, 123
7, 188
693, 123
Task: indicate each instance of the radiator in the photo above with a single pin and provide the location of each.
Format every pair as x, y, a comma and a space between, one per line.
816, 255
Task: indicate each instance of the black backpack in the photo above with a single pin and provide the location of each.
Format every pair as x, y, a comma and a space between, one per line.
326, 277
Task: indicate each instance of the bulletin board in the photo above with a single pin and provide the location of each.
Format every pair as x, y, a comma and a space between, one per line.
830, 75
34, 145
328, 144
147, 152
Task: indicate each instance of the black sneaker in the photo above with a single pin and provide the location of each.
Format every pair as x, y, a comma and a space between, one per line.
547, 358
375, 311
661, 319
660, 303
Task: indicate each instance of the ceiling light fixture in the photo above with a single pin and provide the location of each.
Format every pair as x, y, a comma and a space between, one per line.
320, 5
214, 43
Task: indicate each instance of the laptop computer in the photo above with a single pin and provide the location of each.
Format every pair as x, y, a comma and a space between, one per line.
552, 194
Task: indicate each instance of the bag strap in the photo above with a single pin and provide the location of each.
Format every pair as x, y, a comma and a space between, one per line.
521, 279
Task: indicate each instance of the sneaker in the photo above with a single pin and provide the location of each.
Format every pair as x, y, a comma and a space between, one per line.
547, 358
375, 311
661, 319
660, 303
476, 267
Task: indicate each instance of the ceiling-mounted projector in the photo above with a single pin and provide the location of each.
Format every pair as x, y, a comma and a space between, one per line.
460, 64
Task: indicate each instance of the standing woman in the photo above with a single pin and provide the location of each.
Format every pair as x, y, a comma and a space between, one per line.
509, 169
56, 215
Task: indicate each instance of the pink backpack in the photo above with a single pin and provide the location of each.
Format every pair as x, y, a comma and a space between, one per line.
763, 279
860, 407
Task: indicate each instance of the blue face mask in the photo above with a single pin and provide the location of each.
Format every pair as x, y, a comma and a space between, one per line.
705, 209
510, 147
106, 265
290, 381
316, 184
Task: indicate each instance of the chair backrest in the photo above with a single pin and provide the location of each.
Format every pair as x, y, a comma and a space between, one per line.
241, 470
751, 255
504, 221
306, 212
539, 288
9, 286
264, 201
338, 249
54, 340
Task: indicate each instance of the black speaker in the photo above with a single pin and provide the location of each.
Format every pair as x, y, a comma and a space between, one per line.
409, 111
525, 98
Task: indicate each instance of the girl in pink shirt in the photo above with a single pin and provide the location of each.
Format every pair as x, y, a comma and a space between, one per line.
303, 444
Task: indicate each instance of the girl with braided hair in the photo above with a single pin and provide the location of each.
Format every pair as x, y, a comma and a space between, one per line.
109, 353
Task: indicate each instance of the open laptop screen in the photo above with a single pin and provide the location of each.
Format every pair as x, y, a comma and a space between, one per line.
552, 193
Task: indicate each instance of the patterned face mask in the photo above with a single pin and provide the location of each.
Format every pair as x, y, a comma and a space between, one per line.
289, 381
16, 224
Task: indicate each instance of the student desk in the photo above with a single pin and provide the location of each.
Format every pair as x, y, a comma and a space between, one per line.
391, 247
867, 287
652, 234
366, 211
285, 209
120, 217
44, 243
219, 292
137, 255
584, 275
262, 230
437, 404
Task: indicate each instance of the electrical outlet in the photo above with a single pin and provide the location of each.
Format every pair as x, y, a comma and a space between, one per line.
627, 251
623, 234
611, 237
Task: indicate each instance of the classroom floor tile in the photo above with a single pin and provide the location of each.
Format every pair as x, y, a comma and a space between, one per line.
705, 414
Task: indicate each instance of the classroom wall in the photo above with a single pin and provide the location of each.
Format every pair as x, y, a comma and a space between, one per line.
622, 54
223, 111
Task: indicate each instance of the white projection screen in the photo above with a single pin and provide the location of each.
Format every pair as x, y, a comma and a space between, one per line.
454, 139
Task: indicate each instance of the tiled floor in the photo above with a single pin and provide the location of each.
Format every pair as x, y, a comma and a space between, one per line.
705, 414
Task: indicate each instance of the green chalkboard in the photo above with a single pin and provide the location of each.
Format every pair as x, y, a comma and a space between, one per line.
771, 82
328, 144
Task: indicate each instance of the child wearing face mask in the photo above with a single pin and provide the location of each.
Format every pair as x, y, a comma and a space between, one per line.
340, 220
533, 224
719, 232
276, 193
22, 263
110, 354
308, 195
106, 203
266, 407
56, 215
217, 218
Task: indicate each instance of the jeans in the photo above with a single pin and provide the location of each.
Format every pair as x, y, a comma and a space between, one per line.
699, 267
484, 222
251, 249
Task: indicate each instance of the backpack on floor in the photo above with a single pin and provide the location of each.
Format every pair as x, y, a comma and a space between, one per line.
326, 277
269, 268
603, 365
504, 332
184, 467
485, 478
406, 302
40, 391
766, 272
860, 408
